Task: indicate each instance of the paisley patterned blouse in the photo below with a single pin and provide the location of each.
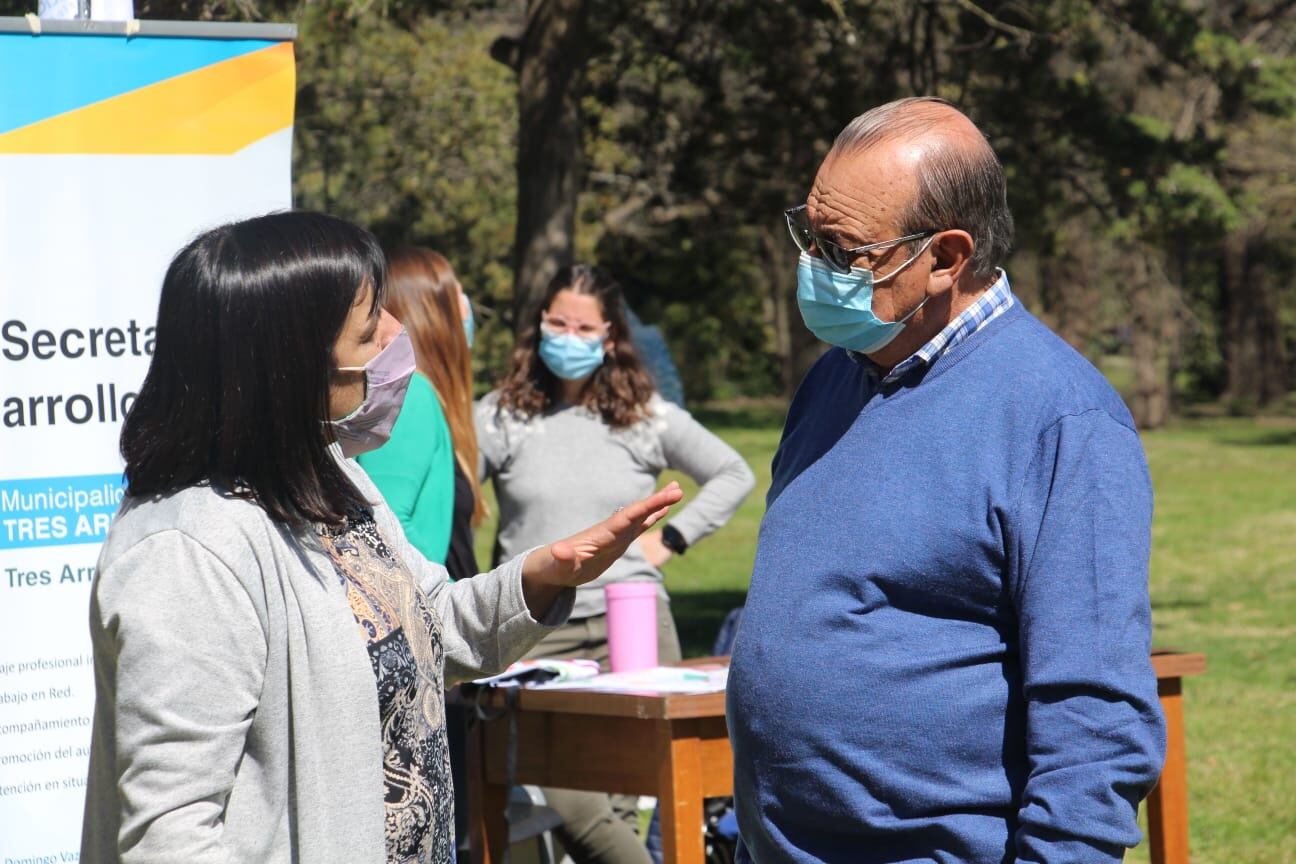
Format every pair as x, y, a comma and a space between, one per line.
403, 634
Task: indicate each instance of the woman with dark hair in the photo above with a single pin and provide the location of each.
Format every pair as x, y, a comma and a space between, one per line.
427, 472
575, 426
269, 649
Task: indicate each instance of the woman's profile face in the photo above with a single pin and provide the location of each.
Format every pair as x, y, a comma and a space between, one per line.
578, 314
366, 332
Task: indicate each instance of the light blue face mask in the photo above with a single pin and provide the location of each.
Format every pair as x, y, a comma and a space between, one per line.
838, 307
470, 325
570, 357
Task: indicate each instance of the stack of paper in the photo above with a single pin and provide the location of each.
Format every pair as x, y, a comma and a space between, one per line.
533, 672
661, 679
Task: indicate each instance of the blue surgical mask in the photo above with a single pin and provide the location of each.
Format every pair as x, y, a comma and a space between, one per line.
838, 307
570, 357
470, 326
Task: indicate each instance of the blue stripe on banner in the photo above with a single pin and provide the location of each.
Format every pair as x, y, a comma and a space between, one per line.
58, 511
55, 73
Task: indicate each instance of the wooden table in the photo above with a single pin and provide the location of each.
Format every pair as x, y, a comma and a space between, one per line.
1167, 806
676, 747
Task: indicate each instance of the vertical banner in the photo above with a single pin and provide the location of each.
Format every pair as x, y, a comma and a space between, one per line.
114, 152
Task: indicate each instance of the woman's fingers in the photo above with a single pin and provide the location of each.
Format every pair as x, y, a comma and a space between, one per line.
648, 508
563, 552
582, 557
627, 524
654, 518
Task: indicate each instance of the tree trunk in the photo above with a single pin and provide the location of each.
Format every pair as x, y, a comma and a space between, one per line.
796, 347
1070, 279
1255, 365
1152, 322
550, 62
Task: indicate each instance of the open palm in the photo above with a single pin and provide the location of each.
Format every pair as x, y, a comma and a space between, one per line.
585, 555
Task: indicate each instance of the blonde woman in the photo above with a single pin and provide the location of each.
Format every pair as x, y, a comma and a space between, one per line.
428, 470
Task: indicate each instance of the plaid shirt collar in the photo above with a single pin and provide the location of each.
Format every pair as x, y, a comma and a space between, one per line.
997, 300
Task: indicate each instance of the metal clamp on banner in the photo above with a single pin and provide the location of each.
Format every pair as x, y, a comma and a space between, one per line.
132, 27
33, 23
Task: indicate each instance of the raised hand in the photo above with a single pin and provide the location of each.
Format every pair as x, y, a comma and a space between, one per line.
585, 555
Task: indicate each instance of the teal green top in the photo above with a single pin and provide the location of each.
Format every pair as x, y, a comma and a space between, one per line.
415, 470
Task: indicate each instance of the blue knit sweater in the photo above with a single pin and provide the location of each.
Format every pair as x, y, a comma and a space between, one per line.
945, 651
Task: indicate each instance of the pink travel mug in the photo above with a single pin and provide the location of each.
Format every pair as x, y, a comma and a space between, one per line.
632, 625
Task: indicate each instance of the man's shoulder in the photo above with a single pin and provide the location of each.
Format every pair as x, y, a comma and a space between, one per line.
832, 360
834, 370
1032, 363
836, 384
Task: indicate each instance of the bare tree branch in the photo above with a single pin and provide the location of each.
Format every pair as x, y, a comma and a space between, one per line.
1021, 34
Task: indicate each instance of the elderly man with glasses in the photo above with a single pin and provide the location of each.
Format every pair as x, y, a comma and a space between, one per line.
945, 651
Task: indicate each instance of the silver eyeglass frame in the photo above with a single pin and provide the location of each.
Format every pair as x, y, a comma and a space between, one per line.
795, 217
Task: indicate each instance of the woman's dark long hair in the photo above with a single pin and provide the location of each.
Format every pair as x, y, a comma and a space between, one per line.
618, 391
237, 392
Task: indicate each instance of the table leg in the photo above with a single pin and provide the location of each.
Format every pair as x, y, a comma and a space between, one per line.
488, 826
1167, 806
679, 791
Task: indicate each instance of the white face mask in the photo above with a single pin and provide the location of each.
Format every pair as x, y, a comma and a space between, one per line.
387, 377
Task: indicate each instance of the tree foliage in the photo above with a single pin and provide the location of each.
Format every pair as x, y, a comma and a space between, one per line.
1147, 145
1117, 123
409, 128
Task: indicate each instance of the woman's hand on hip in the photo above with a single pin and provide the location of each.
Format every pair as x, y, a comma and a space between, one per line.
584, 556
653, 549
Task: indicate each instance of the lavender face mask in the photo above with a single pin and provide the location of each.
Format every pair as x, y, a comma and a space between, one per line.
387, 377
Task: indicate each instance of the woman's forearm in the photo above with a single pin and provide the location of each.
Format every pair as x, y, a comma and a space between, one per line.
540, 595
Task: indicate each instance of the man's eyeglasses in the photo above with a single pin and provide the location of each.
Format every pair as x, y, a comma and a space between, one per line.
556, 325
837, 257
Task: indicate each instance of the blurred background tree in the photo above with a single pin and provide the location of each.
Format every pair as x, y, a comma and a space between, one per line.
1147, 144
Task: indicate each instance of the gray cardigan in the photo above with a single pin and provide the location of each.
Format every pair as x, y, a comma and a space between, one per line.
236, 713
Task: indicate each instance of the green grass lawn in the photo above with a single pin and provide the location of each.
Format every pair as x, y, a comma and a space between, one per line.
1223, 582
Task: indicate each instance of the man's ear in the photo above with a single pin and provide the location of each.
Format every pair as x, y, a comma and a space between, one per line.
951, 255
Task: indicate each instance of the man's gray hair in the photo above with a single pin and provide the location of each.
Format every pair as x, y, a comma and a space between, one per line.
958, 187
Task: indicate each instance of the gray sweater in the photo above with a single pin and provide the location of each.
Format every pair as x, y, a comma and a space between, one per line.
236, 714
564, 469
